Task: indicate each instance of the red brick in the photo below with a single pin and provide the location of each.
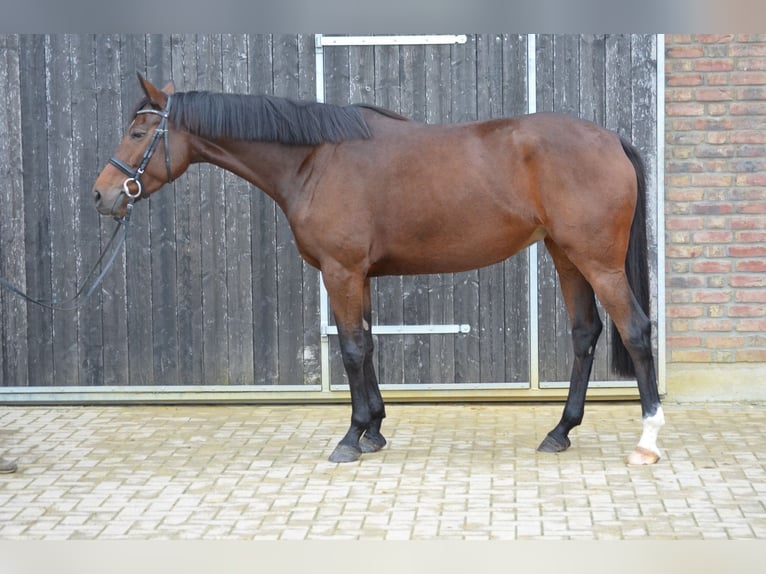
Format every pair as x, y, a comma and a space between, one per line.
751, 179
747, 108
745, 50
747, 310
748, 137
751, 355
716, 296
747, 281
685, 312
685, 109
748, 78
751, 266
747, 250
750, 236
678, 52
684, 80
713, 325
724, 342
750, 296
684, 223
711, 266
714, 38
690, 356
755, 325
751, 64
683, 341
756, 222
683, 251
712, 237
721, 65
714, 94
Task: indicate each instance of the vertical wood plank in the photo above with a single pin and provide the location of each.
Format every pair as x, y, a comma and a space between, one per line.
109, 111
164, 321
213, 232
238, 228
188, 234
264, 265
37, 189
13, 317
63, 208
84, 165
138, 260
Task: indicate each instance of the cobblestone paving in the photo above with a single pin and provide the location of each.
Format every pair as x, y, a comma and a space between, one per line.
450, 471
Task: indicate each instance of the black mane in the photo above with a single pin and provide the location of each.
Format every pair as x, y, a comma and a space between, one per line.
266, 118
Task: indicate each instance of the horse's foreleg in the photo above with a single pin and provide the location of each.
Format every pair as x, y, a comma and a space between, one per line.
586, 328
347, 296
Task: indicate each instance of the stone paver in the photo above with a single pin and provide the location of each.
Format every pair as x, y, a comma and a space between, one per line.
450, 471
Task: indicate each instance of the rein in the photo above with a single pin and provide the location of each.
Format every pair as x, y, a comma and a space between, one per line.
72, 304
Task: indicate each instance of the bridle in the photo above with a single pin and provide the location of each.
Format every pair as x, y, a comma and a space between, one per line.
134, 175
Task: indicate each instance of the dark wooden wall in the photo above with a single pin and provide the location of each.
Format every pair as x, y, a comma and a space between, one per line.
211, 290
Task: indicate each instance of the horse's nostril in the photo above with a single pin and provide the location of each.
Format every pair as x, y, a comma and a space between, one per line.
98, 196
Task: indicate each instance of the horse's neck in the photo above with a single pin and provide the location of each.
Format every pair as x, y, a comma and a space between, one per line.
270, 167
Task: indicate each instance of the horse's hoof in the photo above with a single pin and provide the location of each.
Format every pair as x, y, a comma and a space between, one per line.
553, 445
372, 444
641, 455
345, 453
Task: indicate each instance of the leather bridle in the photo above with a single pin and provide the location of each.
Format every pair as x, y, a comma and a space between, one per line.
134, 175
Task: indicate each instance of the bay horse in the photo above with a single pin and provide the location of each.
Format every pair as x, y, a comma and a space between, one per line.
368, 192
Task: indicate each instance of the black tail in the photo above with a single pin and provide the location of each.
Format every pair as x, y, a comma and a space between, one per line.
636, 264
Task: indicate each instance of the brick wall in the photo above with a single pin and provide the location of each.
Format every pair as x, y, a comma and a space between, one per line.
715, 189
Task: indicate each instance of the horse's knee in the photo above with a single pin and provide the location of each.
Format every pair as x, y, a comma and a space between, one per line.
353, 354
585, 336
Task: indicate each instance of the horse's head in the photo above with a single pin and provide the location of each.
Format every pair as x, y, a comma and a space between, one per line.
150, 155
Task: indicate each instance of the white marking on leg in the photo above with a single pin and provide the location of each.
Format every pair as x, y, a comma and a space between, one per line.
652, 426
365, 325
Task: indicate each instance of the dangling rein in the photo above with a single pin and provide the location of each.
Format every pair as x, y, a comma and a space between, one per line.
82, 295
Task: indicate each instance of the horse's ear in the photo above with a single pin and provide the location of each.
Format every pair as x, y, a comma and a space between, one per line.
155, 95
170, 88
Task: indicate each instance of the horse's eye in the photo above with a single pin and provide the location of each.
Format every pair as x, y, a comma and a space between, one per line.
137, 135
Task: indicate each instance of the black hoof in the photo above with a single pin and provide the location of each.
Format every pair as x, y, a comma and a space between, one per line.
345, 453
372, 444
551, 444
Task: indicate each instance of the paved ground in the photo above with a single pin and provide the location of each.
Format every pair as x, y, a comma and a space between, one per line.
449, 472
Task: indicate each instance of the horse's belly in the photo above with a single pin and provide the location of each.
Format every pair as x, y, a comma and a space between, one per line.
462, 251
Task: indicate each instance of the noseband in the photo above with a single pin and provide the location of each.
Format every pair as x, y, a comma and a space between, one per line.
134, 175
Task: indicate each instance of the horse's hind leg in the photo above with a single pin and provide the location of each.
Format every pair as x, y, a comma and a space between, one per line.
586, 327
635, 331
